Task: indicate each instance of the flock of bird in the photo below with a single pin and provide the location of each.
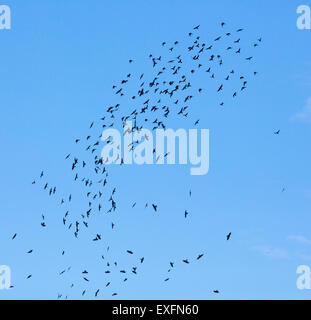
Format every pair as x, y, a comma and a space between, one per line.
165, 95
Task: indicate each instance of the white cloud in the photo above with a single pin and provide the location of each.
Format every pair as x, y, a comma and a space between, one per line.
272, 252
305, 113
304, 256
300, 239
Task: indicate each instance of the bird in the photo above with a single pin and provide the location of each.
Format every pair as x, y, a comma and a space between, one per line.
228, 235
170, 79
277, 132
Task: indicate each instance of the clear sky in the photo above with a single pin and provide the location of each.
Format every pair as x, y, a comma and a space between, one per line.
58, 64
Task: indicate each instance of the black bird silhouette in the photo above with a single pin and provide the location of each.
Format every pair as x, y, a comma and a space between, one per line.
228, 235
172, 86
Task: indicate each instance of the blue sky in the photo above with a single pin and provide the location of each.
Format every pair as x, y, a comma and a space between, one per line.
59, 62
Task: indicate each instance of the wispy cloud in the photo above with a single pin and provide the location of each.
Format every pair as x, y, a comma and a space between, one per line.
305, 113
300, 239
304, 256
272, 252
